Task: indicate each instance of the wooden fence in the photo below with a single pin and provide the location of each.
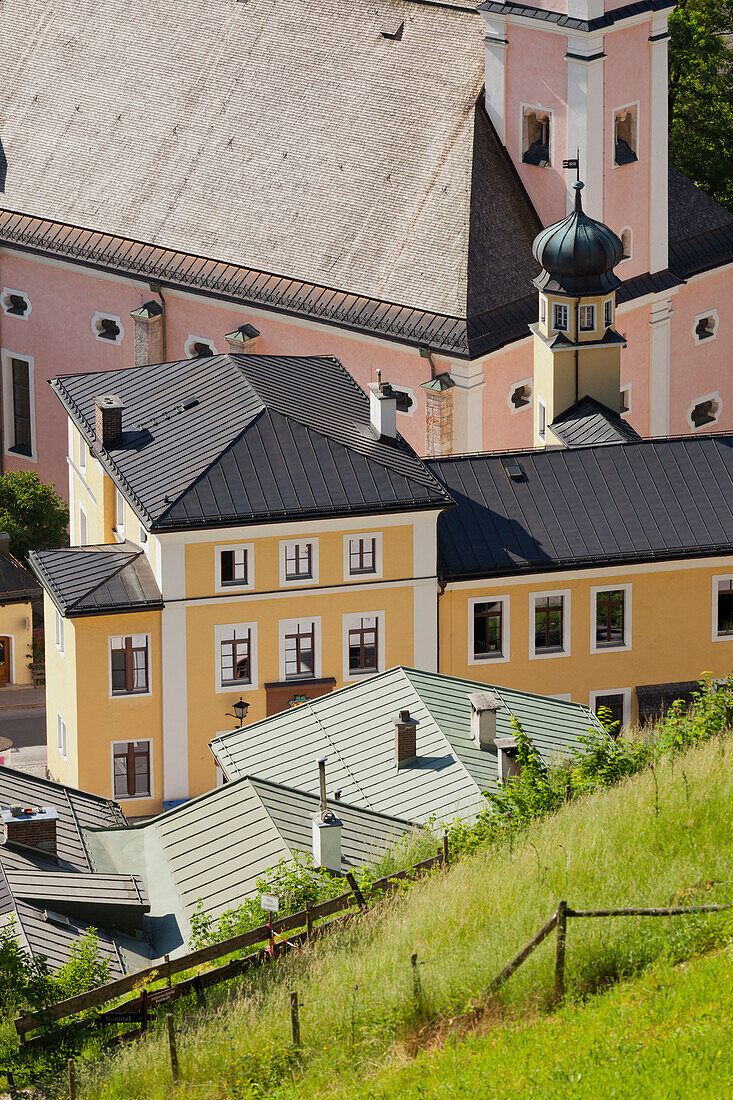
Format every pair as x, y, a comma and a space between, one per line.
138, 1009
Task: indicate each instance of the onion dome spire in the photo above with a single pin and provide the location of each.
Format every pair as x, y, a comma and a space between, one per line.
577, 254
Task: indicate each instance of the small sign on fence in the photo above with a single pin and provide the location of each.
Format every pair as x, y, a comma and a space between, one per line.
269, 902
119, 1018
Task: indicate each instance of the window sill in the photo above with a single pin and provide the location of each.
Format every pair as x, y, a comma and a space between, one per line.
235, 685
358, 672
130, 694
498, 656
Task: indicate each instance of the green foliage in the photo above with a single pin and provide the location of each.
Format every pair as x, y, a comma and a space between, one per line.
33, 514
701, 95
28, 982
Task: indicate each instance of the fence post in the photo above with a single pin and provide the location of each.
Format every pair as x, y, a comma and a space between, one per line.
72, 1080
558, 988
172, 1047
143, 1010
198, 985
166, 960
446, 855
355, 890
309, 921
294, 1018
416, 984
11, 1085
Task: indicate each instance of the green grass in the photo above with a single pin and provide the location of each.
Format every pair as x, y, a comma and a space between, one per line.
642, 843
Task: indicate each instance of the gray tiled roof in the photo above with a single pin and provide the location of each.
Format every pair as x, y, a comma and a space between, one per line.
16, 583
237, 438
93, 580
643, 501
354, 728
588, 422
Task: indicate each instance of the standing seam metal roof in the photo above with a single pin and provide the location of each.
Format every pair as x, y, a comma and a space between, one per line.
93, 580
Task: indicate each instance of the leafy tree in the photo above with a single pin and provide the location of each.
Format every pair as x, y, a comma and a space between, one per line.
701, 95
33, 514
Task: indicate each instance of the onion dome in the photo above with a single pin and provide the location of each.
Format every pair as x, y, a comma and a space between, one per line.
577, 254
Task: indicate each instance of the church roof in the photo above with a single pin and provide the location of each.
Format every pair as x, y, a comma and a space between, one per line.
578, 254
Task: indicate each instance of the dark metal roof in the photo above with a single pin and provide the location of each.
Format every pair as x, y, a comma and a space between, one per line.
16, 583
578, 254
589, 422
92, 580
497, 7
649, 500
240, 438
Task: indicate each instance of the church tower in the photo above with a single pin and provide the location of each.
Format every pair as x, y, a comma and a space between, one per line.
577, 350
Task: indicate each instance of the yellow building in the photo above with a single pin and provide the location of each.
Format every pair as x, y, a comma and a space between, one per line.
245, 527
17, 589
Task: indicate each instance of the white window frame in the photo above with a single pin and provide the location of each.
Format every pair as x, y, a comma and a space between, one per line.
543, 312
541, 420
614, 112
626, 390
608, 307
626, 692
188, 352
235, 586
299, 582
134, 797
130, 694
221, 633
4, 302
515, 386
490, 659
60, 632
698, 401
706, 339
119, 508
62, 746
377, 572
82, 513
566, 624
103, 315
592, 308
626, 644
411, 394
83, 455
8, 411
292, 626
556, 306
352, 621
551, 143
714, 618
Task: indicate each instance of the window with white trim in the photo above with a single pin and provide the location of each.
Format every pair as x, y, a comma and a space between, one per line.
549, 624
587, 318
543, 309
625, 135
199, 347
627, 244
705, 411
723, 626
560, 317
83, 449
488, 629
233, 565
131, 769
15, 303
59, 632
520, 395
300, 648
18, 405
129, 664
82, 539
608, 312
61, 735
362, 554
705, 326
235, 655
541, 419
612, 708
536, 136
298, 561
363, 643
119, 512
611, 610
107, 328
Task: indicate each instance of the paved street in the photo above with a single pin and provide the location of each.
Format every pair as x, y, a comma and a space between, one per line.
23, 721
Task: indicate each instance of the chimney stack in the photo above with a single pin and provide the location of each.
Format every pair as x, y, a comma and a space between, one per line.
507, 764
483, 718
31, 826
326, 829
108, 420
383, 408
149, 343
405, 739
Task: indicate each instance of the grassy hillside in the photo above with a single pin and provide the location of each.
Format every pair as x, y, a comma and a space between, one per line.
663, 836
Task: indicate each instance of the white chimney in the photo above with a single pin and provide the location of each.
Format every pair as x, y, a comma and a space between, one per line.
507, 764
326, 830
383, 408
484, 706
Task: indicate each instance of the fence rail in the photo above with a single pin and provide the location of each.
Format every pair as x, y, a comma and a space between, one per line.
137, 1008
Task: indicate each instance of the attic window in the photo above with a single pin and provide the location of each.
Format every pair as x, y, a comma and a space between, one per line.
513, 471
706, 326
625, 149
705, 412
536, 137
15, 303
107, 328
626, 243
198, 347
393, 30
520, 396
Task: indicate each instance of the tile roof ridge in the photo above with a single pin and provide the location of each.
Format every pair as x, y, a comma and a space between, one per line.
254, 779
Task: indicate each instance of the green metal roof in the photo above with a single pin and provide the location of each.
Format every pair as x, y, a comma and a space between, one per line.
354, 728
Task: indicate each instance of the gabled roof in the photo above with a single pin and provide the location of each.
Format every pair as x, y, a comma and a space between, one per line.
214, 848
649, 500
590, 422
354, 728
94, 580
233, 439
16, 583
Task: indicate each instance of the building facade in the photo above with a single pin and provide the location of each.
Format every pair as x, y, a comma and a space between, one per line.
422, 270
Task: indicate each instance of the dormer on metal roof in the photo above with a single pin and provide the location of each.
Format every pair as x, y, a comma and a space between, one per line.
577, 254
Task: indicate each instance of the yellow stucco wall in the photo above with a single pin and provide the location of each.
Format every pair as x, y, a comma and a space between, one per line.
16, 623
671, 632
61, 689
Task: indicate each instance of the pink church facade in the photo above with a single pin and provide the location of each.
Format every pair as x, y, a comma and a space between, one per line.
594, 80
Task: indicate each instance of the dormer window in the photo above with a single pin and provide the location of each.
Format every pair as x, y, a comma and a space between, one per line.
15, 303
560, 317
587, 318
107, 328
608, 312
625, 148
536, 137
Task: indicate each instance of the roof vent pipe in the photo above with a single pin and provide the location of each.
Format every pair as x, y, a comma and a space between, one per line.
383, 408
108, 420
326, 829
405, 739
484, 706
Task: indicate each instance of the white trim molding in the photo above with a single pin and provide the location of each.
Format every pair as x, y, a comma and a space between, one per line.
350, 621
100, 315
625, 693
8, 405
7, 308
374, 574
490, 658
526, 384
294, 626
703, 316
225, 632
726, 578
234, 586
626, 643
716, 403
660, 319
303, 581
566, 624
191, 340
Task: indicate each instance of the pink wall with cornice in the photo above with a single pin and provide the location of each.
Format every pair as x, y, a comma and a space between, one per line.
703, 368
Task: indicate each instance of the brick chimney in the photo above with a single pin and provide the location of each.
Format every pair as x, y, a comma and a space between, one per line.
108, 420
383, 408
32, 826
484, 706
405, 739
